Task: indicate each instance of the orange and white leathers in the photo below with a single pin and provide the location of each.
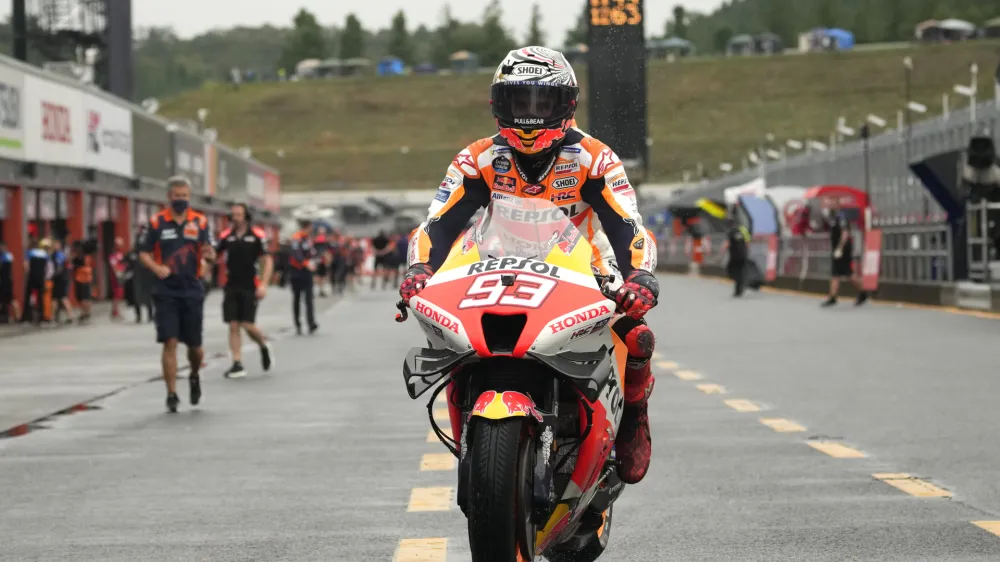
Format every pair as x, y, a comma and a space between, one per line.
586, 180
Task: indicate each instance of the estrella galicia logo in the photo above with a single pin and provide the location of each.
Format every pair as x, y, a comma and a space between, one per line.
501, 164
10, 106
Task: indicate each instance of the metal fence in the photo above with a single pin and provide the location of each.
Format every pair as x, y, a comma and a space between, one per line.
911, 254
896, 194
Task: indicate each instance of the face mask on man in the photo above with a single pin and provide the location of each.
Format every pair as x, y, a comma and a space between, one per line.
179, 206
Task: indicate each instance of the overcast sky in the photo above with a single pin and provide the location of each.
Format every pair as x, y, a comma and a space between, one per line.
191, 17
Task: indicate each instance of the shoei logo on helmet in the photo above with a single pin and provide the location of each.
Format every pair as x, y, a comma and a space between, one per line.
529, 121
528, 70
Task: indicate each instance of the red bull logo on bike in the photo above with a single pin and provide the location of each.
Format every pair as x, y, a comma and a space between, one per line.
437, 317
579, 318
500, 405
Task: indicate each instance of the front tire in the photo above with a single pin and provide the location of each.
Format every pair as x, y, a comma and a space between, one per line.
500, 528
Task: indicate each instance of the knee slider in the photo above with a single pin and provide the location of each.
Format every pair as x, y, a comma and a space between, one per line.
640, 343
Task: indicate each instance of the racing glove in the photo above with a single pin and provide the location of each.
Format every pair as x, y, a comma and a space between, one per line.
638, 294
414, 281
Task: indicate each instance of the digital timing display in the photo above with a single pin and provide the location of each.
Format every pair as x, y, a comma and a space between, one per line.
615, 12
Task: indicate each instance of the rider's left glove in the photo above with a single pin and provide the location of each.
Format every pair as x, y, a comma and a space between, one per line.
638, 294
415, 280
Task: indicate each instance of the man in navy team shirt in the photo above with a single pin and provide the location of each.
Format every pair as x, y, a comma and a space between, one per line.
173, 246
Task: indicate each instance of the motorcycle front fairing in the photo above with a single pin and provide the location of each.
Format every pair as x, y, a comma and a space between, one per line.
519, 284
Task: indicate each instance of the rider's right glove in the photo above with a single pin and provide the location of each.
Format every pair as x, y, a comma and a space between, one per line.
414, 281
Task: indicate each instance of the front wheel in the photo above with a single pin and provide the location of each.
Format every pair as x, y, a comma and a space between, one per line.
500, 528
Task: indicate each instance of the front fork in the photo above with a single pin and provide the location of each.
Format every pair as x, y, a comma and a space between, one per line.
543, 435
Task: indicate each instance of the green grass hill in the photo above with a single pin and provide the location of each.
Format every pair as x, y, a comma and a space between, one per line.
351, 133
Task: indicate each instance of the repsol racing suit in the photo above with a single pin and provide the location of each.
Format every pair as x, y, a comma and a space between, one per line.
587, 180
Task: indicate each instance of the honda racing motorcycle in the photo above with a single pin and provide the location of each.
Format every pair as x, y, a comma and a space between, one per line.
519, 337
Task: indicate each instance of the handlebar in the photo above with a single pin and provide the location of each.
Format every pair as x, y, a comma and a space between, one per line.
403, 311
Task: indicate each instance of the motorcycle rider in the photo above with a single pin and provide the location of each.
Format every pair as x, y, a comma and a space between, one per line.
540, 153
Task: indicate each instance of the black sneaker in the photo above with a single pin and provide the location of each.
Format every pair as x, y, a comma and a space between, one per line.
265, 357
313, 328
832, 301
236, 371
195, 382
862, 298
172, 402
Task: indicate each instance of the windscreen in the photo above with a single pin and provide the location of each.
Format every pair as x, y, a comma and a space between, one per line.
525, 228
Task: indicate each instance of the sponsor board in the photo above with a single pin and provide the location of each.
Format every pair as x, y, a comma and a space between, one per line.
11, 114
55, 123
189, 160
109, 136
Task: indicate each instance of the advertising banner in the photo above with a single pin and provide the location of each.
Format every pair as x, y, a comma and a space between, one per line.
55, 125
150, 148
11, 114
255, 183
189, 160
871, 260
229, 175
272, 192
109, 136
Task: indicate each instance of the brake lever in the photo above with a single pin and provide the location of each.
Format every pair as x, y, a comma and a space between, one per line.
403, 311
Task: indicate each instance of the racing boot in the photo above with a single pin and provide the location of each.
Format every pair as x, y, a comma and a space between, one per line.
634, 445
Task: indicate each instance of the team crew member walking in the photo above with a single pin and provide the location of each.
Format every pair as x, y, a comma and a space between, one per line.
301, 267
60, 283
243, 245
172, 246
539, 154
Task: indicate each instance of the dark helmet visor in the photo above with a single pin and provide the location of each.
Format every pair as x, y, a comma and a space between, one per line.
530, 105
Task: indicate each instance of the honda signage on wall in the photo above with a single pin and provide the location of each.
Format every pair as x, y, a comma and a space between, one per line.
189, 160
56, 128
109, 136
11, 114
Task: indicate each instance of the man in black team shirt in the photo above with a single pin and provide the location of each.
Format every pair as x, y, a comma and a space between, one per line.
243, 245
842, 246
384, 249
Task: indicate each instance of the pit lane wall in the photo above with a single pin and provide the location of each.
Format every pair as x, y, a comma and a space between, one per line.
77, 163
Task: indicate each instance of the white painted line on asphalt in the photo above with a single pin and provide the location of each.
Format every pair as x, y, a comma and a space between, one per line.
430, 499
437, 461
685, 375
421, 550
742, 405
836, 450
782, 425
711, 388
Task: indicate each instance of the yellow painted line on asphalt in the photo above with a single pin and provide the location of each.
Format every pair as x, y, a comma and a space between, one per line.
430, 499
782, 425
668, 365
441, 398
657, 355
437, 461
421, 550
912, 485
989, 526
688, 375
742, 405
836, 450
711, 388
441, 415
433, 438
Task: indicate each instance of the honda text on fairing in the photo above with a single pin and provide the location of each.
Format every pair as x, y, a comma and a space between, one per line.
519, 337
